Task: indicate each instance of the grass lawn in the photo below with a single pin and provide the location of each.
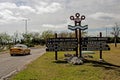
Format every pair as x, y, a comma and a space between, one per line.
46, 68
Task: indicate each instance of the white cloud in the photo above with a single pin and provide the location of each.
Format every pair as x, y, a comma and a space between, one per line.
7, 5
26, 10
109, 25
102, 16
54, 14
7, 16
59, 27
47, 8
10, 11
35, 30
48, 26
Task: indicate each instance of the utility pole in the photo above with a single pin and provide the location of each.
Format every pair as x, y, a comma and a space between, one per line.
26, 25
106, 31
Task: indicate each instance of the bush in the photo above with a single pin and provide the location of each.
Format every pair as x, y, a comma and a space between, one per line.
29, 45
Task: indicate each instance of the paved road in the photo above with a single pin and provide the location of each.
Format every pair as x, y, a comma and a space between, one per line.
10, 65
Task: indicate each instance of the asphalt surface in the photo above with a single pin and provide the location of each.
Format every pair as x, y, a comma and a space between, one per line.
12, 64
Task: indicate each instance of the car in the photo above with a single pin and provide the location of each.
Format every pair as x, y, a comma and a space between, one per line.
19, 49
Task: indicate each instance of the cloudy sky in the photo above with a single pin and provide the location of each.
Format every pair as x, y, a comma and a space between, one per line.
54, 15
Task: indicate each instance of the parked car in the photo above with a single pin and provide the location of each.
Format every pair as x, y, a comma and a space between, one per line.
19, 49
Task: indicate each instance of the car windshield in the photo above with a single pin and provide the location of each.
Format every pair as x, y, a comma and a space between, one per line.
20, 46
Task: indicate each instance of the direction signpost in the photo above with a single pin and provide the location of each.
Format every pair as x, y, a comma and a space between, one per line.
77, 28
61, 44
78, 43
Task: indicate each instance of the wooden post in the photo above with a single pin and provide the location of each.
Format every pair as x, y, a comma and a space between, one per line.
100, 47
77, 20
76, 36
56, 50
80, 43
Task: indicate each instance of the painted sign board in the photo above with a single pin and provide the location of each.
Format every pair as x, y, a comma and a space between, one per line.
61, 44
94, 43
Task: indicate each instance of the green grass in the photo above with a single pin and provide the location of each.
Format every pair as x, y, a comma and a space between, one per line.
46, 68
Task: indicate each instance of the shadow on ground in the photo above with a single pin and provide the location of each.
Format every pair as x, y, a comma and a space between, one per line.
94, 63
104, 65
60, 62
19, 55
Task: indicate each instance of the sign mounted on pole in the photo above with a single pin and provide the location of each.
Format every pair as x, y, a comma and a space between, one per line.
94, 43
61, 44
78, 43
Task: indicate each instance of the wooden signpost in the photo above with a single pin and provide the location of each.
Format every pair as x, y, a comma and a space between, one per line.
78, 43
95, 44
61, 44
77, 28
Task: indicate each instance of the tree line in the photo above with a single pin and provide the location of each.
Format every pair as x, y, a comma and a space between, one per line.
29, 39
35, 38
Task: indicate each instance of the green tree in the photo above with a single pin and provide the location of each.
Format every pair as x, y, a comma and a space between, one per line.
84, 33
16, 37
47, 34
115, 32
4, 40
27, 39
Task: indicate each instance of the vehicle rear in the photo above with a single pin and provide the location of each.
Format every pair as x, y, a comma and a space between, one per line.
19, 50
16, 50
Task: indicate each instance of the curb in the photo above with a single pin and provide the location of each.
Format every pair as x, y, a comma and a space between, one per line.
6, 77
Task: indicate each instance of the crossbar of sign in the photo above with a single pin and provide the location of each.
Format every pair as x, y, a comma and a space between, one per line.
60, 49
62, 43
50, 40
94, 39
94, 43
95, 48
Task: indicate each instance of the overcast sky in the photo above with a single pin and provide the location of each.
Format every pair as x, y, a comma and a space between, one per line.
54, 14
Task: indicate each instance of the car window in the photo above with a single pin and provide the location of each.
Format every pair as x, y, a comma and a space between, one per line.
20, 46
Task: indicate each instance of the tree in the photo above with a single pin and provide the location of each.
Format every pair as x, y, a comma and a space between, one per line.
27, 37
47, 34
36, 38
15, 37
4, 40
84, 33
63, 34
115, 32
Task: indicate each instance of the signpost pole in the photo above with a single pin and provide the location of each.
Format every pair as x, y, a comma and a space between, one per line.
56, 49
76, 36
100, 47
80, 43
77, 20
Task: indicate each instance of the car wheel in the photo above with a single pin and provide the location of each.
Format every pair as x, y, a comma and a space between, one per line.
29, 53
24, 54
11, 54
